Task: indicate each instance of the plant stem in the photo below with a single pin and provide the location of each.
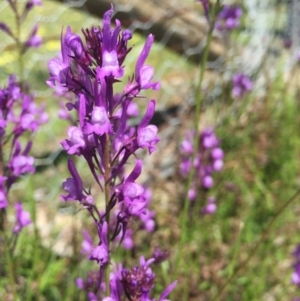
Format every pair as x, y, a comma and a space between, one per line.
184, 216
2, 211
107, 171
10, 268
263, 236
19, 46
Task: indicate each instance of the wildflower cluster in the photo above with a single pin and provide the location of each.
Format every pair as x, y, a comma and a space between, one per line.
208, 160
134, 284
241, 85
20, 118
103, 136
229, 18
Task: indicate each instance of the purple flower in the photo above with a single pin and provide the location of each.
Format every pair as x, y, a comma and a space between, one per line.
146, 134
295, 278
206, 4
76, 141
167, 291
241, 85
87, 243
100, 123
129, 189
138, 281
192, 194
34, 40
229, 18
127, 240
22, 218
147, 219
5, 29
59, 67
110, 63
31, 3
74, 187
104, 134
19, 120
3, 196
19, 110
208, 161
3, 199
143, 73
21, 164
187, 146
132, 110
116, 286
211, 207
100, 253
207, 181
160, 255
91, 285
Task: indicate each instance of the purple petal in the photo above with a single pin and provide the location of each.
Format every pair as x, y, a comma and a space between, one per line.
136, 172
167, 291
143, 55
148, 116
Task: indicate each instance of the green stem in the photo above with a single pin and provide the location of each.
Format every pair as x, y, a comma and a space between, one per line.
184, 216
37, 247
10, 268
263, 236
19, 46
3, 211
107, 171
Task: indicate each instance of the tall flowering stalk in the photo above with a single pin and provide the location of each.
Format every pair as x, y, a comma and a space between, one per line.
208, 161
20, 118
211, 11
91, 70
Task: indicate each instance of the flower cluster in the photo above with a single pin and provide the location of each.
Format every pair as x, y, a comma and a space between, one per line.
241, 85
103, 136
229, 18
22, 218
208, 160
135, 284
143, 220
19, 120
19, 115
33, 39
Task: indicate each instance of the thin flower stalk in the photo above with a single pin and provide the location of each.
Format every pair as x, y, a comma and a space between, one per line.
33, 40
198, 101
91, 70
